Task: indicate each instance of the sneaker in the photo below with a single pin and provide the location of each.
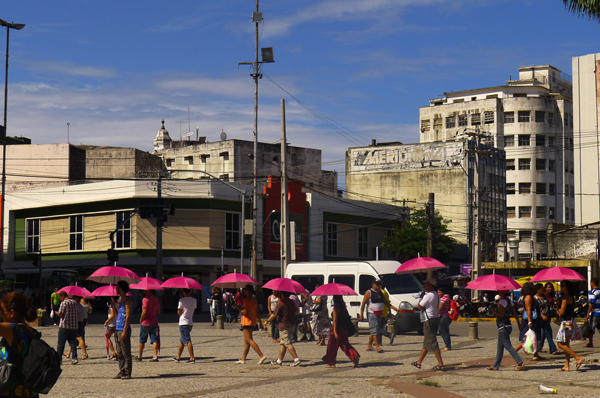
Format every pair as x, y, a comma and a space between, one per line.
155, 359
118, 376
276, 363
392, 337
241, 362
126, 377
138, 358
295, 363
262, 360
74, 362
176, 360
191, 361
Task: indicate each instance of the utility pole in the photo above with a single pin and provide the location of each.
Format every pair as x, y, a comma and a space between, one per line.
255, 76
285, 244
430, 223
159, 225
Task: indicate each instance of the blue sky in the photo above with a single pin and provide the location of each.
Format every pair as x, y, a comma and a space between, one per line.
114, 69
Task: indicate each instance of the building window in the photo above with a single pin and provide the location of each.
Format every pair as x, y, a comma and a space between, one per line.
572, 168
524, 139
540, 212
224, 177
510, 212
551, 213
572, 191
567, 194
488, 117
524, 116
540, 140
524, 187
511, 234
540, 116
509, 140
540, 188
490, 96
524, 235
33, 236
524, 164
524, 211
363, 242
571, 144
551, 118
566, 120
462, 120
189, 159
425, 125
224, 155
123, 228
232, 231
332, 239
169, 162
437, 123
566, 213
541, 236
520, 95
510, 164
551, 189
551, 166
573, 214
551, 142
509, 117
476, 119
75, 233
450, 122
204, 158
510, 188
540, 164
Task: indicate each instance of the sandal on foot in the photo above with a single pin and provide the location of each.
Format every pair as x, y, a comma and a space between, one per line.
491, 368
563, 370
520, 366
368, 349
438, 368
416, 365
588, 345
330, 366
579, 364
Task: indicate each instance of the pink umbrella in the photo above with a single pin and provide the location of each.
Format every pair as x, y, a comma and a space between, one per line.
147, 283
494, 282
285, 285
182, 282
334, 289
76, 291
419, 264
557, 274
108, 290
113, 274
234, 281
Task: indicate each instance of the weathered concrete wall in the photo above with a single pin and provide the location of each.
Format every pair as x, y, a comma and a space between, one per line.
566, 242
111, 163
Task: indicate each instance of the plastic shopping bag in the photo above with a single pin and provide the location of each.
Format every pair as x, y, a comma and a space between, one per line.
530, 342
52, 314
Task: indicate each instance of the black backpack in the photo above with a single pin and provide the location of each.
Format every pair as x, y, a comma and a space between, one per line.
40, 366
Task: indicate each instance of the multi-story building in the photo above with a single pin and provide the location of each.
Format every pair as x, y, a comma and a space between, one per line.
586, 111
233, 160
531, 118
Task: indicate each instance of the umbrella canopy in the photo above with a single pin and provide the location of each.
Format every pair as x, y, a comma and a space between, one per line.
76, 291
182, 282
334, 289
557, 274
234, 281
147, 283
113, 274
419, 264
285, 285
107, 291
494, 282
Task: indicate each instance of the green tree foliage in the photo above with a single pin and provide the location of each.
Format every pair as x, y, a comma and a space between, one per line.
410, 240
587, 8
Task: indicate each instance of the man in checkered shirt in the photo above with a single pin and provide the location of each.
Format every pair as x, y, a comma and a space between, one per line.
67, 329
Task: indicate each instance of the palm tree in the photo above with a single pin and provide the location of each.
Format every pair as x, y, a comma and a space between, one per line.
589, 8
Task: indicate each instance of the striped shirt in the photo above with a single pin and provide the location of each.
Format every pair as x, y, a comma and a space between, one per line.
69, 309
594, 298
444, 311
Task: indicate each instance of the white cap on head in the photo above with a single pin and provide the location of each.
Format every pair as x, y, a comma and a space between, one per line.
455, 298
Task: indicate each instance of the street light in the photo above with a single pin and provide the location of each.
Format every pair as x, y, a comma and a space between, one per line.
9, 26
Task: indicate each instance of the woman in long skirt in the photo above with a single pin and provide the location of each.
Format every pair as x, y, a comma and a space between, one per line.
339, 338
320, 322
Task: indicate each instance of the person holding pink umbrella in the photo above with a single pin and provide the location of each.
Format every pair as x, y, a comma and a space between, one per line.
249, 312
342, 324
285, 311
149, 324
503, 311
185, 309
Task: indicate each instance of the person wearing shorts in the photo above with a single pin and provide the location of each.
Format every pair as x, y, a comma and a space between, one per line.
285, 311
149, 324
429, 307
185, 309
377, 302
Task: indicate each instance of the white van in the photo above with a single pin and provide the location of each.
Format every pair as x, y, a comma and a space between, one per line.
404, 289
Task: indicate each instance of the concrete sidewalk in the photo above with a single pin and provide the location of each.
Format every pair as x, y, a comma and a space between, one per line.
380, 374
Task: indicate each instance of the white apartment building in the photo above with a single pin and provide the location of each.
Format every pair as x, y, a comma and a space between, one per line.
531, 118
586, 100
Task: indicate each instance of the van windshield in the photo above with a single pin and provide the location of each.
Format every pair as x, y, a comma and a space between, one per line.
401, 283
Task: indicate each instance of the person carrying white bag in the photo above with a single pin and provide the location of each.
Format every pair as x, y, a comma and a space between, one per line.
531, 320
568, 330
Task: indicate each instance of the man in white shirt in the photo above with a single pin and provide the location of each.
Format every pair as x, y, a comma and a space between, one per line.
429, 306
185, 310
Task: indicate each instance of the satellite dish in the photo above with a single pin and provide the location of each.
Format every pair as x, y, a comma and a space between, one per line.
223, 136
186, 135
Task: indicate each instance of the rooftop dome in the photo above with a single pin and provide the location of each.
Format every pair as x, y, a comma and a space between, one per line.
162, 140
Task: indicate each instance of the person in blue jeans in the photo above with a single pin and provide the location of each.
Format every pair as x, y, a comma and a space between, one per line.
540, 296
503, 311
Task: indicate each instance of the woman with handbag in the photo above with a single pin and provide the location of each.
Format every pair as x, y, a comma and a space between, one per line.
568, 329
15, 311
532, 318
320, 322
342, 325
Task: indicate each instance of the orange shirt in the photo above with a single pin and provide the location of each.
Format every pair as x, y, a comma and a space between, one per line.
251, 308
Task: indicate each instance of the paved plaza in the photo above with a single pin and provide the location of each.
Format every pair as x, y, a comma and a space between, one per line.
215, 373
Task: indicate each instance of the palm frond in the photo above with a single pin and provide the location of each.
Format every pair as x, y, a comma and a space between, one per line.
587, 8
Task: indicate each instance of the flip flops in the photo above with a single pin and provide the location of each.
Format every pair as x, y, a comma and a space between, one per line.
416, 365
438, 368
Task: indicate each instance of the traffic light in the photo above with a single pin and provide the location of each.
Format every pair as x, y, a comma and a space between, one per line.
225, 268
112, 255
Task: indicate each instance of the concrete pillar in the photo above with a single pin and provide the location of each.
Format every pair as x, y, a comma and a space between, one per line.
220, 324
473, 331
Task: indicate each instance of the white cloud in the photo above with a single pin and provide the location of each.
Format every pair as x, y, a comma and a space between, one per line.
69, 69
